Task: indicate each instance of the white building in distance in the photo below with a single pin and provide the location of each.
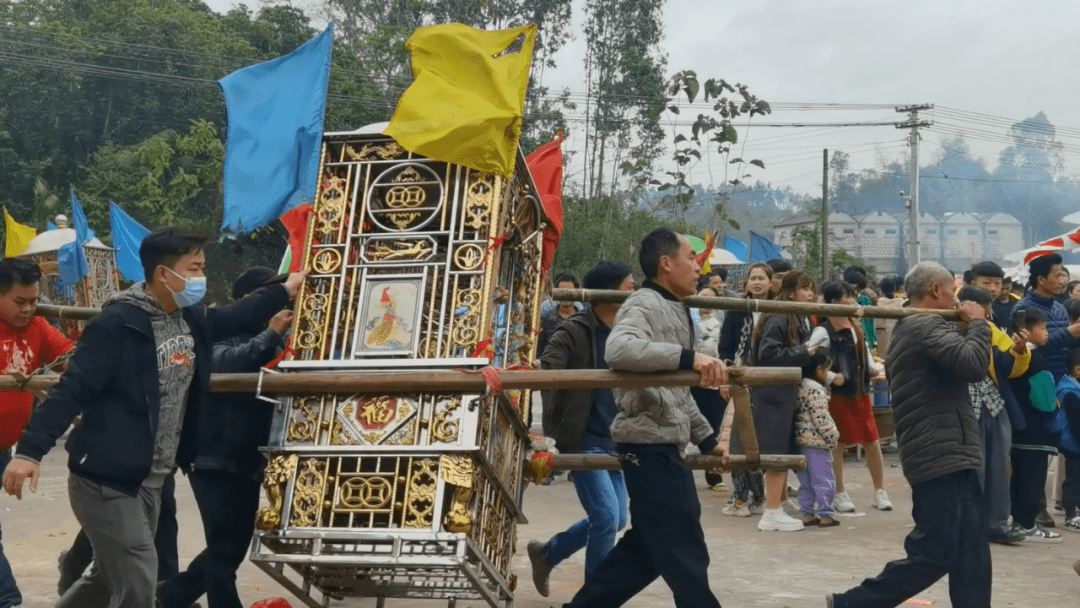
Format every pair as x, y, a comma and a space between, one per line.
956, 240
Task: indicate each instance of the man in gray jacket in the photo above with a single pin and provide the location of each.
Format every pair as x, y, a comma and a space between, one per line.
930, 365
653, 332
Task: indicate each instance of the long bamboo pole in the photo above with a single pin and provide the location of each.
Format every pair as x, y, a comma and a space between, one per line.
596, 462
451, 381
602, 296
66, 312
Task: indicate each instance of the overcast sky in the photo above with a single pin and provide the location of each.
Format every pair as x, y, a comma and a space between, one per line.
1007, 60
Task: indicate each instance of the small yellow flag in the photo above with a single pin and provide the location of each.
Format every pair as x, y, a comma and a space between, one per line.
467, 97
18, 236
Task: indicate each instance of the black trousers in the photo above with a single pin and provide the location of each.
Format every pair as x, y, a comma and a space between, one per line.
712, 406
1028, 484
665, 538
227, 505
81, 553
950, 537
1070, 490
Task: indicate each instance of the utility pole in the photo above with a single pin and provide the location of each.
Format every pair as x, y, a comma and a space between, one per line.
825, 215
914, 123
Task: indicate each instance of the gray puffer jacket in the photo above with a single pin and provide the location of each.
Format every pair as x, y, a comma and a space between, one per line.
930, 365
653, 332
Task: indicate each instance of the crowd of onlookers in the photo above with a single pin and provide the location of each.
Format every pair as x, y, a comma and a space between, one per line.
1026, 401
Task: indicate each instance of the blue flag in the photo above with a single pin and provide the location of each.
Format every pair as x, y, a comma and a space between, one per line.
736, 247
762, 249
127, 235
275, 114
71, 259
50, 226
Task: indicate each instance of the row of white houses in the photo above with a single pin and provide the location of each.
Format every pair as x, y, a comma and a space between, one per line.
956, 240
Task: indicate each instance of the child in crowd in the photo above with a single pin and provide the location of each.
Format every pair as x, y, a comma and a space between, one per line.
1068, 394
996, 410
816, 435
1037, 440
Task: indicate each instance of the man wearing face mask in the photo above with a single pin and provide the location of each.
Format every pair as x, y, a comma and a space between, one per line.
140, 378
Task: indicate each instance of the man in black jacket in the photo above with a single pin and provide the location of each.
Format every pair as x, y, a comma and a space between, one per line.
930, 365
139, 377
228, 467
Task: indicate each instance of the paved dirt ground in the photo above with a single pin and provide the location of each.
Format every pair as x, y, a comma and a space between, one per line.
749, 568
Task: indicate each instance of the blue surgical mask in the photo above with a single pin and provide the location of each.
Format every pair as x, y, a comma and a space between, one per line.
192, 293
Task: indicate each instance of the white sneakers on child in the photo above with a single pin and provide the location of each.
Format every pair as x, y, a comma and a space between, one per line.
775, 520
737, 508
842, 503
881, 501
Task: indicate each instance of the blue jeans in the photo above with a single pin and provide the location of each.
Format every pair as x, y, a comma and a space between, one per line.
9, 591
603, 495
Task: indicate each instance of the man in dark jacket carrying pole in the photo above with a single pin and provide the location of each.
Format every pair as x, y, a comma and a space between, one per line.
930, 365
228, 467
140, 378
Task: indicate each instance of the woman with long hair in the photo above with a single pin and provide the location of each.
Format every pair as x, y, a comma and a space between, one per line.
779, 340
735, 349
850, 404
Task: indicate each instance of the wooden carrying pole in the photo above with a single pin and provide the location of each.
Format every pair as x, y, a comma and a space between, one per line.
451, 381
602, 296
596, 462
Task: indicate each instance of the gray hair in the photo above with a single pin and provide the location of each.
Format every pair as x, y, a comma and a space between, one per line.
922, 278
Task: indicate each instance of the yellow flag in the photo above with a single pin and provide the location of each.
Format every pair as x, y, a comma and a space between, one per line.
467, 97
18, 236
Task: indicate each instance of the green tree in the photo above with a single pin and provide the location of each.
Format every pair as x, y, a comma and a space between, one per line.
624, 68
600, 229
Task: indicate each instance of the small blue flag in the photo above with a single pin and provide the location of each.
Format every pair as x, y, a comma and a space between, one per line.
736, 247
763, 250
275, 115
127, 235
71, 259
50, 226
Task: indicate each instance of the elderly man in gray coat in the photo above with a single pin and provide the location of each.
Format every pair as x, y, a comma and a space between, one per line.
930, 364
653, 332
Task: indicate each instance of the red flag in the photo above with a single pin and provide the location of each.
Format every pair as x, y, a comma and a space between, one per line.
707, 252
546, 166
295, 221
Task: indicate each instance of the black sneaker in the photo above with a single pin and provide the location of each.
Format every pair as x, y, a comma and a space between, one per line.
1045, 519
1009, 536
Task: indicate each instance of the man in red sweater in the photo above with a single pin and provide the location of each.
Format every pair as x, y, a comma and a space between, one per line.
26, 343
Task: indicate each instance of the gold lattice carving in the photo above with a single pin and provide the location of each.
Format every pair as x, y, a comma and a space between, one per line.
443, 429
330, 206
305, 423
414, 249
467, 328
458, 470
308, 492
405, 197
278, 472
312, 308
480, 200
469, 256
420, 502
403, 219
371, 152
326, 261
340, 436
367, 492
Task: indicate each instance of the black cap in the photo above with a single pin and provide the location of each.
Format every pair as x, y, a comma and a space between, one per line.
988, 269
254, 278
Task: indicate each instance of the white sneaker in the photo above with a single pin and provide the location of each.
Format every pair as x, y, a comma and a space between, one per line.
757, 507
775, 520
881, 501
736, 509
842, 502
1039, 534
